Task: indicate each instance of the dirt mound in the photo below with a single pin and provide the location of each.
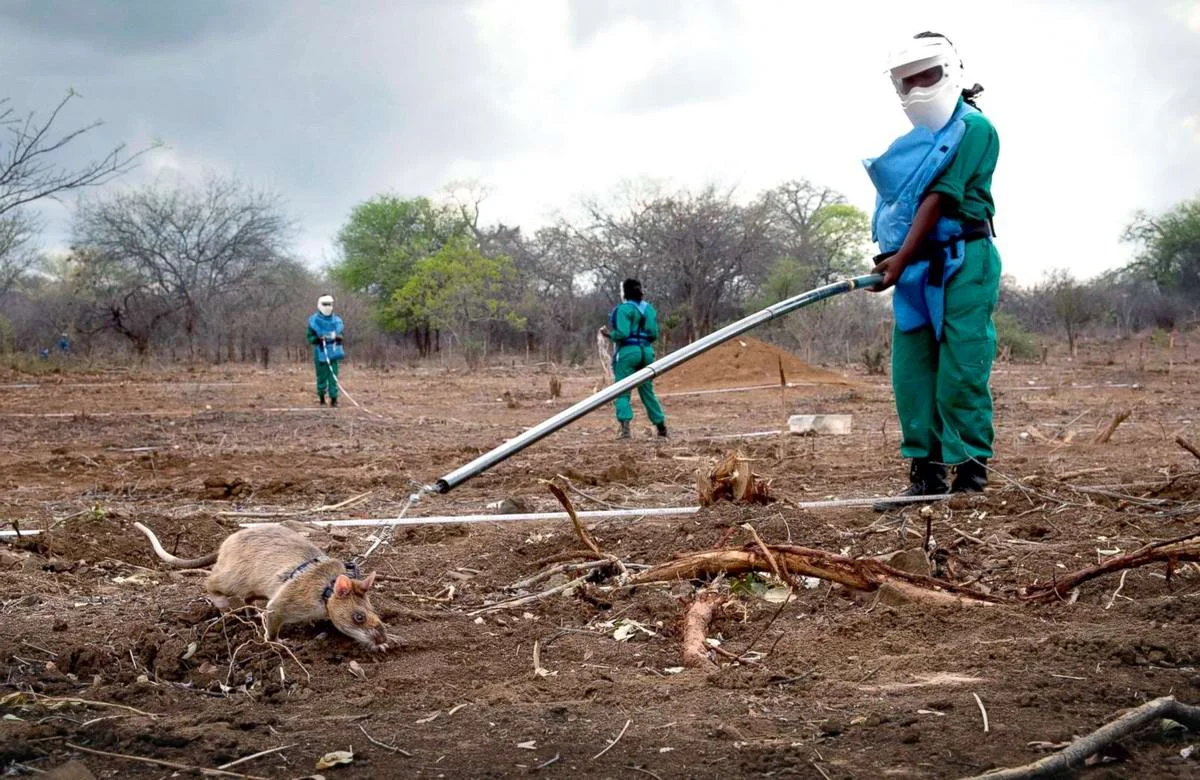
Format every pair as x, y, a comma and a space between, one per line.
742, 362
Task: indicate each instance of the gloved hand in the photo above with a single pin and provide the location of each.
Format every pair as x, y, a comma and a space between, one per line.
337, 339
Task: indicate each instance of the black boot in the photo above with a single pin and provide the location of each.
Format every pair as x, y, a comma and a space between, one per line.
624, 434
662, 429
333, 400
970, 476
926, 478
321, 399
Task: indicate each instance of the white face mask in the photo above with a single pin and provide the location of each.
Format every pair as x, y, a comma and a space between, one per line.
325, 305
928, 75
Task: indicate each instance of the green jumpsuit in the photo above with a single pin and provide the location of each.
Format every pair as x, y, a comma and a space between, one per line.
633, 330
942, 394
327, 371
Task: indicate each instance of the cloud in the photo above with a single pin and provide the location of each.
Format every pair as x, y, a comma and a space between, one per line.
547, 100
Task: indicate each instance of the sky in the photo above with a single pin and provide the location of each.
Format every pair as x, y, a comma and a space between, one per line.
543, 102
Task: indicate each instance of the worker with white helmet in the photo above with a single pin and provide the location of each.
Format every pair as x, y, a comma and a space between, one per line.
325, 334
933, 223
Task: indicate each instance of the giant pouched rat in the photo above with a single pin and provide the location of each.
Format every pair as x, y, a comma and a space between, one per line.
299, 582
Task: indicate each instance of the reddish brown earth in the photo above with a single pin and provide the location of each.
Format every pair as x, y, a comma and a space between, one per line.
843, 688
745, 362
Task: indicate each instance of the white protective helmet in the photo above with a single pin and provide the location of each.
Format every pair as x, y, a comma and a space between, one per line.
325, 304
930, 100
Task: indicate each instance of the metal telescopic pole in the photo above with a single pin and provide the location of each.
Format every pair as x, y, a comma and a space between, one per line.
658, 367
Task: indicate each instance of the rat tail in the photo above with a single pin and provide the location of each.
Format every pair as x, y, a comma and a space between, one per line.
180, 563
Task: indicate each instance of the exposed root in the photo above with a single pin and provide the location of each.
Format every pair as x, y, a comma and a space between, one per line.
1079, 750
1170, 551
1118, 418
695, 630
858, 574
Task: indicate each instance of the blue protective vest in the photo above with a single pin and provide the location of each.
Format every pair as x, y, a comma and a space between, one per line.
901, 177
638, 337
328, 327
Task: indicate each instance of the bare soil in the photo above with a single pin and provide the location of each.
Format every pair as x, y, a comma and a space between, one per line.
746, 362
841, 686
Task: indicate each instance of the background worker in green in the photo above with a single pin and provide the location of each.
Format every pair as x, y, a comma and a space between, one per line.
325, 334
941, 378
633, 327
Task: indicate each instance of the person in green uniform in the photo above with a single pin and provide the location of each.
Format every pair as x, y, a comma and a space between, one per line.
325, 331
933, 221
633, 327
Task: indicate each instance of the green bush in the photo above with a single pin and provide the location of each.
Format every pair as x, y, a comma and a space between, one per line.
1013, 338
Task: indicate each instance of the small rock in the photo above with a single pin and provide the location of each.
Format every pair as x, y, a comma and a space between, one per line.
72, 770
831, 728
59, 625
910, 737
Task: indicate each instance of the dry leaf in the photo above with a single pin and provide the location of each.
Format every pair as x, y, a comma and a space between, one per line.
335, 758
530, 745
357, 670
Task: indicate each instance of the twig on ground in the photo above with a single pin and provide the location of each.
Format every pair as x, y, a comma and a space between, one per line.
817, 767
1187, 445
613, 744
766, 552
1079, 750
158, 762
22, 697
741, 656
1117, 592
259, 754
589, 496
545, 764
580, 531
982, 711
546, 574
385, 746
528, 599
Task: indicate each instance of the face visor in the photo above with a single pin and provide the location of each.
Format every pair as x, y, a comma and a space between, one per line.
325, 305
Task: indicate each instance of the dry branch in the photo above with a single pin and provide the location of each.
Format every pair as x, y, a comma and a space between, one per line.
1187, 445
1079, 750
1117, 419
858, 574
159, 762
695, 630
580, 531
1169, 551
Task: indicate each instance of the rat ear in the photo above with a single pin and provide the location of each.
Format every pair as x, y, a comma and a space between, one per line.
342, 586
369, 582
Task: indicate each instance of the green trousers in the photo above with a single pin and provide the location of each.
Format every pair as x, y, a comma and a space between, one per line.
628, 360
941, 387
327, 378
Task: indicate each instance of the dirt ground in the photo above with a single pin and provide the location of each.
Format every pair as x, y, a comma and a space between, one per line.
836, 686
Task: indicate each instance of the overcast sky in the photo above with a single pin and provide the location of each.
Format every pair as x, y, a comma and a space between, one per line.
1097, 102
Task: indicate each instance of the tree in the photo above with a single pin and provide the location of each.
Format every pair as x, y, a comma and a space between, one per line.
696, 254
1072, 303
1169, 248
818, 235
28, 172
17, 256
188, 247
462, 291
